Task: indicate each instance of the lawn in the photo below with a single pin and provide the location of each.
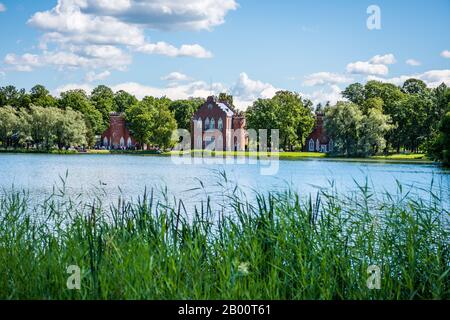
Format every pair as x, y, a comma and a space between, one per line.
402, 156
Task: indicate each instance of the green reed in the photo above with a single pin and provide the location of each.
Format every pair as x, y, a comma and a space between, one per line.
277, 245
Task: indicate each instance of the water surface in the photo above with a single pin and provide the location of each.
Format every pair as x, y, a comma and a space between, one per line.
129, 175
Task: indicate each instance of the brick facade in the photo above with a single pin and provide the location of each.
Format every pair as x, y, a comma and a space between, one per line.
215, 122
117, 136
318, 140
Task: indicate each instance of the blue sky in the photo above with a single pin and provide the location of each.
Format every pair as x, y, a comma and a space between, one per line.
249, 48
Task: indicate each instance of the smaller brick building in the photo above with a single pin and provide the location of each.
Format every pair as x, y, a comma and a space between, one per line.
117, 136
216, 122
318, 140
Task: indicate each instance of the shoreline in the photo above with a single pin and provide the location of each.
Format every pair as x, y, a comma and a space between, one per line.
288, 156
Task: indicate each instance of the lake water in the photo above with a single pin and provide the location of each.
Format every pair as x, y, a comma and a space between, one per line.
128, 175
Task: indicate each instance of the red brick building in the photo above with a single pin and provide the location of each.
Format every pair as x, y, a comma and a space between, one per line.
216, 126
117, 136
318, 140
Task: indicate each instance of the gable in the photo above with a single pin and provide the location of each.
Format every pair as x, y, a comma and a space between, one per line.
211, 108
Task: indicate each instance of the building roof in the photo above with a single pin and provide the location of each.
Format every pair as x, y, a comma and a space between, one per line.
225, 109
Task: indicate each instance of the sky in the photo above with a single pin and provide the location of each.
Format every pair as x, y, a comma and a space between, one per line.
248, 48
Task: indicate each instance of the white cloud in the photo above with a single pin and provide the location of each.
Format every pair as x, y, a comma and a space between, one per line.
89, 57
91, 76
321, 78
2, 7
383, 59
432, 78
398, 81
166, 49
103, 33
244, 91
73, 86
377, 65
364, 67
331, 94
413, 62
445, 54
122, 22
175, 76
164, 14
24, 63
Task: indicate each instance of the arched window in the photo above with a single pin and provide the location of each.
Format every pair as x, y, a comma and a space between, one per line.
220, 124
206, 123
317, 145
311, 145
122, 142
199, 123
212, 124
105, 141
129, 143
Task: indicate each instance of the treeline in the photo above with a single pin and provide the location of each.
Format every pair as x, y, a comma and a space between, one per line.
42, 127
376, 118
36, 119
382, 117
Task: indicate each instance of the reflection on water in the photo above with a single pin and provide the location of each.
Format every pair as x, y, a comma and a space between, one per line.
128, 176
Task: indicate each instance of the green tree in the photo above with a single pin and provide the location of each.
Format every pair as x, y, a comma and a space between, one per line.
441, 103
8, 125
374, 125
228, 99
372, 104
40, 96
343, 123
70, 128
183, 110
411, 116
78, 100
355, 93
42, 123
10, 96
163, 126
294, 120
286, 112
123, 100
414, 86
440, 147
388, 92
102, 99
151, 122
262, 115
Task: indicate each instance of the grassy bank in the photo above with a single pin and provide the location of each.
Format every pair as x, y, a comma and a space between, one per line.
394, 158
274, 247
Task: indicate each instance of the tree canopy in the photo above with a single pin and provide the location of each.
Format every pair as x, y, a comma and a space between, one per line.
285, 112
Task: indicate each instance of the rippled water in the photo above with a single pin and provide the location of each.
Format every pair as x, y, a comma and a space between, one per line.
129, 175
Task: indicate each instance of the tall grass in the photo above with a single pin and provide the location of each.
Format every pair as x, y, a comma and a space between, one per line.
277, 246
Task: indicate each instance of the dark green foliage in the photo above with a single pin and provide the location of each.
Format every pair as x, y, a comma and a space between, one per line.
285, 112
183, 110
414, 110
